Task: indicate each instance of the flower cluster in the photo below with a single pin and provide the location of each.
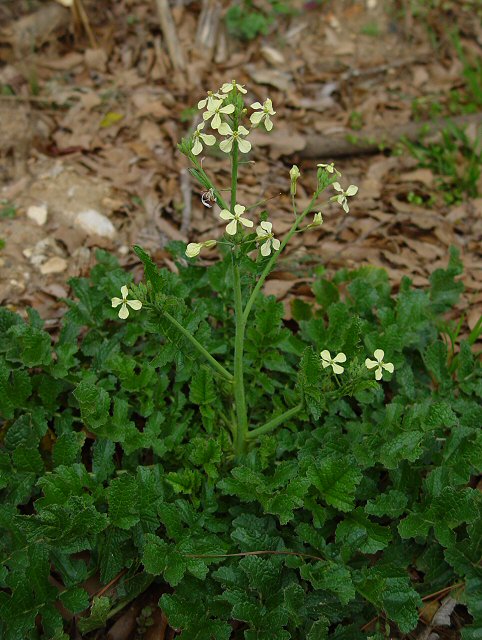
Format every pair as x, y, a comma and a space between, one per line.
217, 107
378, 364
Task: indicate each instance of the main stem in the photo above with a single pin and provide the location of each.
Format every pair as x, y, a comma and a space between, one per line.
239, 396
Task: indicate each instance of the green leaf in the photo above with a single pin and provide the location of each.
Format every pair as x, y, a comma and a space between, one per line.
405, 446
357, 532
336, 479
29, 345
98, 615
445, 291
75, 599
67, 448
94, 403
390, 504
123, 502
202, 390
151, 270
330, 577
162, 559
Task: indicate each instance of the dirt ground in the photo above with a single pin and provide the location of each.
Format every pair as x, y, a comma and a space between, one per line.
94, 109
93, 104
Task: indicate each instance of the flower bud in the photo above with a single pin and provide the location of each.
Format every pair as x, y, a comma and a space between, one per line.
193, 249
294, 175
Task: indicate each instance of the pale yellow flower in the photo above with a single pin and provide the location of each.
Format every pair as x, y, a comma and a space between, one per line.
229, 86
236, 218
328, 361
330, 168
378, 364
342, 197
215, 109
263, 112
265, 236
133, 304
227, 144
199, 138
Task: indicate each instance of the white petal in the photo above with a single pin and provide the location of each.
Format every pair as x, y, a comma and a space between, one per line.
242, 130
256, 117
346, 208
244, 145
256, 105
268, 124
207, 115
369, 364
216, 121
379, 354
276, 244
123, 312
200, 126
378, 374
124, 292
239, 209
241, 88
116, 302
227, 87
226, 145
202, 103
337, 187
337, 368
260, 232
340, 357
229, 108
134, 304
388, 366
225, 130
265, 224
268, 106
352, 189
226, 215
266, 248
325, 355
196, 147
231, 228
207, 139
193, 249
246, 222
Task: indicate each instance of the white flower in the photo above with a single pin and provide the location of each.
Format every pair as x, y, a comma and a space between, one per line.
229, 86
235, 218
330, 168
342, 198
202, 103
317, 221
328, 361
379, 364
263, 112
214, 109
266, 237
133, 304
198, 137
193, 249
226, 145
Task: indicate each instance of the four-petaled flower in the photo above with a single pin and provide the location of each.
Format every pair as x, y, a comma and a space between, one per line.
328, 361
214, 109
133, 304
330, 168
204, 137
342, 197
202, 103
317, 221
266, 237
378, 364
193, 249
235, 218
229, 86
263, 112
226, 145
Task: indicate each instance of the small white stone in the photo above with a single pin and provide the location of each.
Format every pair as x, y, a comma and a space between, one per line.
53, 265
93, 222
38, 214
123, 250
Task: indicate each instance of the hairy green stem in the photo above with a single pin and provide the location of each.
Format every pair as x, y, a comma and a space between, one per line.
274, 257
218, 368
239, 395
274, 422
